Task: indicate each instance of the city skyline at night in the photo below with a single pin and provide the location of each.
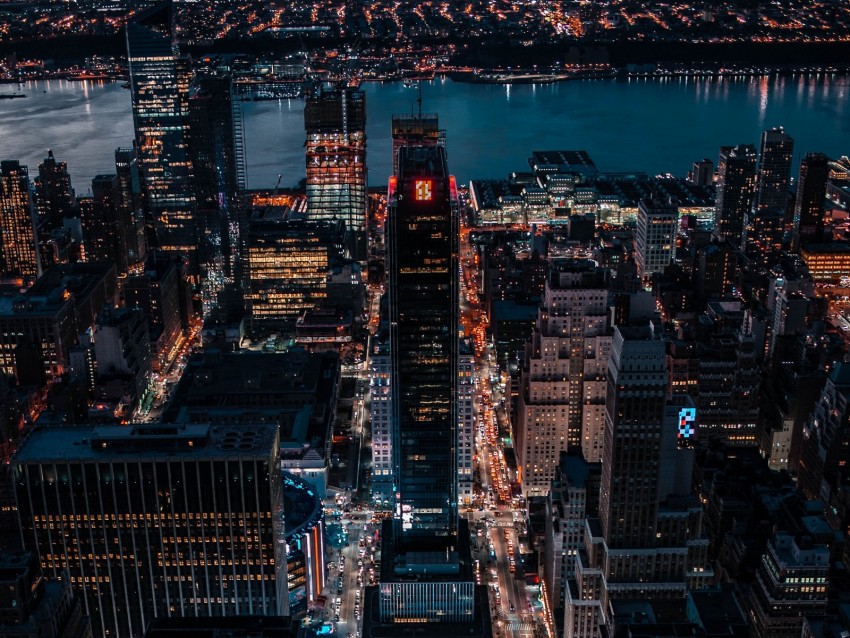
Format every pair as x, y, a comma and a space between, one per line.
594, 387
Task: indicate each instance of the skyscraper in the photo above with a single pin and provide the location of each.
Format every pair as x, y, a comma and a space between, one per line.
416, 129
18, 254
655, 239
736, 186
335, 123
774, 170
811, 193
54, 196
108, 228
159, 92
422, 240
213, 154
562, 388
157, 520
130, 199
637, 549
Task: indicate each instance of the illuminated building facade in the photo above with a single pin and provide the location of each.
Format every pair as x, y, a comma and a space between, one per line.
655, 239
774, 170
18, 255
159, 85
465, 422
287, 265
736, 187
157, 521
383, 484
335, 123
422, 240
827, 263
305, 545
562, 391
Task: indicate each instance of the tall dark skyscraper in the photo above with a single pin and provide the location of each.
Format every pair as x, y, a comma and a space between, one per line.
159, 81
811, 193
54, 197
422, 240
735, 191
157, 520
130, 199
416, 129
108, 227
335, 123
18, 254
774, 170
213, 154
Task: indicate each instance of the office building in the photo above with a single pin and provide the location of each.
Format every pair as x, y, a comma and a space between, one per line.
383, 483
39, 328
18, 255
655, 239
159, 292
54, 196
562, 382
130, 200
143, 518
572, 498
286, 264
422, 236
416, 129
646, 545
465, 423
736, 187
108, 227
791, 584
304, 519
702, 172
773, 180
811, 195
159, 81
232, 627
335, 123
32, 606
212, 150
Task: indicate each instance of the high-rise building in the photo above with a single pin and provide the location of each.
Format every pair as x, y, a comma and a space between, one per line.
736, 187
54, 196
811, 194
335, 123
32, 606
647, 543
791, 584
130, 199
157, 520
286, 264
122, 353
213, 153
562, 384
655, 239
422, 241
108, 227
416, 129
18, 255
159, 81
383, 482
774, 170
702, 172
465, 422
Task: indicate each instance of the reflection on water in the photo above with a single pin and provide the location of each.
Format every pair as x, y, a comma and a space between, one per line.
650, 125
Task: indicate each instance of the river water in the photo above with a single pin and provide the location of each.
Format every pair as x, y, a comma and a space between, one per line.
655, 126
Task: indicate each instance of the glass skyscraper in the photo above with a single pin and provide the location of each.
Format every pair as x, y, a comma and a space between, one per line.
422, 240
18, 256
159, 81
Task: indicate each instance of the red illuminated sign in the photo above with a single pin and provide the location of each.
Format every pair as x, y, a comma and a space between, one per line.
422, 190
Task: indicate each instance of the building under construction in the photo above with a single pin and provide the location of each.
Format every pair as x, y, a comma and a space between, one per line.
416, 129
335, 123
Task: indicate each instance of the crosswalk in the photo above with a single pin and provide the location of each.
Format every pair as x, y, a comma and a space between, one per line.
521, 627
